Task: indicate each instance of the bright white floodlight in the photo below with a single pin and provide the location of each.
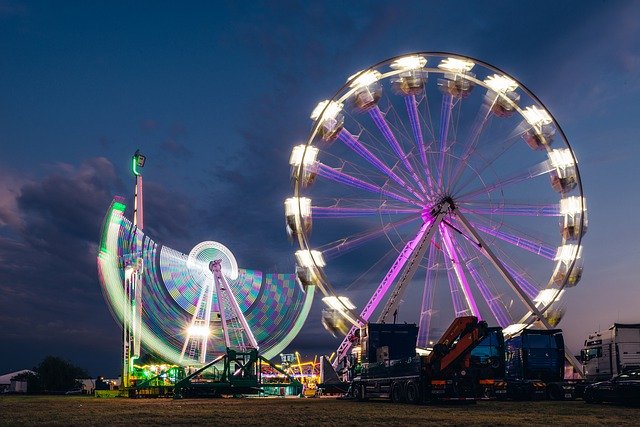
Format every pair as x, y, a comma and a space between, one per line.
198, 331
331, 110
567, 253
339, 303
291, 206
299, 151
501, 84
365, 78
306, 258
547, 296
513, 329
561, 158
536, 116
572, 205
456, 65
409, 63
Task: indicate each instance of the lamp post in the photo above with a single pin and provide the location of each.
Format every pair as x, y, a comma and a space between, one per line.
133, 269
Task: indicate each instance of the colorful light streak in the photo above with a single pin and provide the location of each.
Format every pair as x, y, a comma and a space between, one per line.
273, 304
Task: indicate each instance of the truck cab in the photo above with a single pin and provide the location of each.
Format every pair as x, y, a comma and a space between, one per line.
611, 352
535, 355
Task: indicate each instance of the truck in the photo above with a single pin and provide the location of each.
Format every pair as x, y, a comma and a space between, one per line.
611, 352
534, 367
386, 364
473, 361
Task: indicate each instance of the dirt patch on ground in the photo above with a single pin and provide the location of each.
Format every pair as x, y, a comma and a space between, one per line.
294, 411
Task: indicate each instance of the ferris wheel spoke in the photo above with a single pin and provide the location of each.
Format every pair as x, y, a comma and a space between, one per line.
411, 104
381, 122
354, 144
494, 302
459, 307
491, 158
499, 265
519, 240
479, 124
445, 118
459, 270
519, 275
542, 249
521, 176
530, 289
349, 243
335, 175
351, 212
426, 308
531, 210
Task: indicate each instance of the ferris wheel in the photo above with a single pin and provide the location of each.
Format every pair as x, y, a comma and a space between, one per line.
434, 186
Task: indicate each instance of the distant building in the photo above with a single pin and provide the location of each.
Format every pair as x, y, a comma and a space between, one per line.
9, 385
88, 385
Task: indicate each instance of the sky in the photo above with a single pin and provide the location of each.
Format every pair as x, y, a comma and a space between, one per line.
216, 93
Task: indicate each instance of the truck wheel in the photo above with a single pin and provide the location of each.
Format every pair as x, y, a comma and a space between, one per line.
554, 392
412, 393
589, 397
358, 392
397, 392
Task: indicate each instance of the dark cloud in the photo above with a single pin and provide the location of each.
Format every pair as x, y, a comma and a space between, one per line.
48, 284
168, 216
176, 150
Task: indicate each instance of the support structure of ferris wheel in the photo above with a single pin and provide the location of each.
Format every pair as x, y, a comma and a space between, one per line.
448, 171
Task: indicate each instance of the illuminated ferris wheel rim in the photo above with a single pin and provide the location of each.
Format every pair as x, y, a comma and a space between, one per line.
373, 75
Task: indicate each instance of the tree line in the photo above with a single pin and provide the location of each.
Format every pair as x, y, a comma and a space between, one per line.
53, 375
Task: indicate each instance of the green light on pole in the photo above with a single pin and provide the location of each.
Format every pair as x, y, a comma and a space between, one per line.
137, 161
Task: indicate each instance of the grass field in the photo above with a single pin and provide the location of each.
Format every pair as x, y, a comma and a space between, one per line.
294, 411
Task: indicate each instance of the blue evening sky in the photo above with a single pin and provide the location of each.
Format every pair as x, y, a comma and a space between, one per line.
217, 93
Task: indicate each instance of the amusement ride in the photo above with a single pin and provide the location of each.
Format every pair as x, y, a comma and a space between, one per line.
434, 186
189, 309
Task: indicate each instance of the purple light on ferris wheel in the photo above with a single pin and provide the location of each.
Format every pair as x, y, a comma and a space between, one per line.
517, 210
353, 242
426, 309
493, 302
528, 288
338, 176
445, 118
414, 120
457, 266
472, 142
383, 126
384, 285
522, 242
352, 142
345, 212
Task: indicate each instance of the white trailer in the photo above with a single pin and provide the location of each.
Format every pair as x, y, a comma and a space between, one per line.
608, 353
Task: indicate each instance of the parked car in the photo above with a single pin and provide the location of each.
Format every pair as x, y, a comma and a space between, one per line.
623, 388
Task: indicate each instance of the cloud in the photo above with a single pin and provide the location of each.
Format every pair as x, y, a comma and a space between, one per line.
9, 215
48, 253
176, 150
